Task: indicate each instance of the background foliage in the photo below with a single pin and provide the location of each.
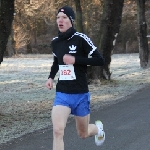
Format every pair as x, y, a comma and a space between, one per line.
35, 25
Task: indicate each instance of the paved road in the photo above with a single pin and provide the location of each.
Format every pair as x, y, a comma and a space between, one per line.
126, 123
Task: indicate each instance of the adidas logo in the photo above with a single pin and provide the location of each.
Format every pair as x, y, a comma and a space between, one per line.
72, 49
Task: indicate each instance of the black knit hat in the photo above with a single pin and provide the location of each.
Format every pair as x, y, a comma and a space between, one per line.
69, 12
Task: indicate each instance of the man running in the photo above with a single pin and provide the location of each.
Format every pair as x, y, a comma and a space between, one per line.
71, 50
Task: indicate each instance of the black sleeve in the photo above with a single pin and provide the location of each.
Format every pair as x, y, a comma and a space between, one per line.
54, 68
95, 59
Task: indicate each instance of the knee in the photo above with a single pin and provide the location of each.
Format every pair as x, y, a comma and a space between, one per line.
58, 131
82, 135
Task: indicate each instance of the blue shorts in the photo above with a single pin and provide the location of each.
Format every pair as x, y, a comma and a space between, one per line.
78, 103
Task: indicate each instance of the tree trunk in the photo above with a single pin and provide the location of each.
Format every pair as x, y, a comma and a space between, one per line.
6, 18
29, 47
10, 48
109, 29
79, 25
142, 34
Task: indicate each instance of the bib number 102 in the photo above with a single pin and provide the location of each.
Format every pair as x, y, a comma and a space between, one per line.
66, 72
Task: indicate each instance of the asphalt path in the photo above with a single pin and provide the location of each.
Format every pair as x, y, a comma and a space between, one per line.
126, 124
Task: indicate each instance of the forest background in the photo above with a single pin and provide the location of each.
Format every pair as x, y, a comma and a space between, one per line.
34, 25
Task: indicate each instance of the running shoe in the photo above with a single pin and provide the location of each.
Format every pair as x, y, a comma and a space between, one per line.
100, 137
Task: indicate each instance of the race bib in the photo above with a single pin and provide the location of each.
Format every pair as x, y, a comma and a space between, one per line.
66, 72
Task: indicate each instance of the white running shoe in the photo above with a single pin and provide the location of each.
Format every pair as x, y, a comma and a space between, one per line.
100, 137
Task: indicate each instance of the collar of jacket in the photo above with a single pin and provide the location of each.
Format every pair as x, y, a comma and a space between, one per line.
67, 34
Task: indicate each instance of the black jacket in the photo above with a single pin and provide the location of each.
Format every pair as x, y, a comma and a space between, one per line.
81, 47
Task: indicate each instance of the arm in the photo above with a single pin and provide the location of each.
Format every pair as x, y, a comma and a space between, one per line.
89, 48
95, 60
54, 70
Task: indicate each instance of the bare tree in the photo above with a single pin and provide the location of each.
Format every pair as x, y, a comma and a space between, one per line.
29, 15
142, 34
6, 18
79, 25
109, 29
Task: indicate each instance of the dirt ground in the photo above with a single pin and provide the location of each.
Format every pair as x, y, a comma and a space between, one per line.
25, 103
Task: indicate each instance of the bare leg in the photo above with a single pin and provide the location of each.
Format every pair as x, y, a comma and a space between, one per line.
59, 119
84, 128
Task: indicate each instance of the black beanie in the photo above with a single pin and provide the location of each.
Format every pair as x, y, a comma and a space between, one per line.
69, 12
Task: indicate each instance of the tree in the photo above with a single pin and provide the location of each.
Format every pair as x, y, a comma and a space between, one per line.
6, 18
79, 25
142, 34
31, 20
109, 29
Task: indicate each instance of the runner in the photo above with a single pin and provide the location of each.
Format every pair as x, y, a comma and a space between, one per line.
71, 51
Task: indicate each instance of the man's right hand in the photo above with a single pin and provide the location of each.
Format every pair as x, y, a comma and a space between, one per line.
49, 83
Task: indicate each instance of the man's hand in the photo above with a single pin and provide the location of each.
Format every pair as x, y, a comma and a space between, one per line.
49, 83
68, 59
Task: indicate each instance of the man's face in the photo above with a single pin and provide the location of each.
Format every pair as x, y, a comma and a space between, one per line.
63, 22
